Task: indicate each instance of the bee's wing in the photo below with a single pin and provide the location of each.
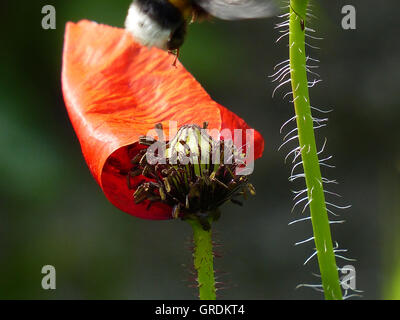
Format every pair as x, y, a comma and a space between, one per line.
239, 9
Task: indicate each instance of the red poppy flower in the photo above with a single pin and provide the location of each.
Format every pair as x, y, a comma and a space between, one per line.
115, 91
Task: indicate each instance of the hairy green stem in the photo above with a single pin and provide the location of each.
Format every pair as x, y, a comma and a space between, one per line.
203, 261
319, 216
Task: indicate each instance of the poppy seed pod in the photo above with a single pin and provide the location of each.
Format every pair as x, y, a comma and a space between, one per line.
194, 174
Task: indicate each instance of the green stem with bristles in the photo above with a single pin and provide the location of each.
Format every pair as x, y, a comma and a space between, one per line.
316, 198
203, 261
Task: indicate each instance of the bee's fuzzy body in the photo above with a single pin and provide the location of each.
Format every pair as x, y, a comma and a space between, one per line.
163, 23
158, 23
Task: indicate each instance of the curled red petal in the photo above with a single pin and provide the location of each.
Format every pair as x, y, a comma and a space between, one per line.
116, 90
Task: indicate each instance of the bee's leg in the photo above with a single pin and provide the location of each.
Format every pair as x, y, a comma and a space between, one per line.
176, 54
199, 14
176, 40
176, 57
195, 15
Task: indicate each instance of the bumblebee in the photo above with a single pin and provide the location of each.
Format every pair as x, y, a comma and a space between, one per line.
163, 23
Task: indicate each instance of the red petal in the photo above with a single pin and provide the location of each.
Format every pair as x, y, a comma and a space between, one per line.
115, 91
232, 121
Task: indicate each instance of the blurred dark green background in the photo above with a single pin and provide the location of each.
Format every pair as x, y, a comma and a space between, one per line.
53, 212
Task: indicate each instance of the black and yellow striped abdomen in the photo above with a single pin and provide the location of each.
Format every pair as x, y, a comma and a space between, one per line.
184, 6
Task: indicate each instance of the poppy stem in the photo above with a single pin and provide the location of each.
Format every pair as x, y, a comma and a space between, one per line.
309, 155
203, 261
